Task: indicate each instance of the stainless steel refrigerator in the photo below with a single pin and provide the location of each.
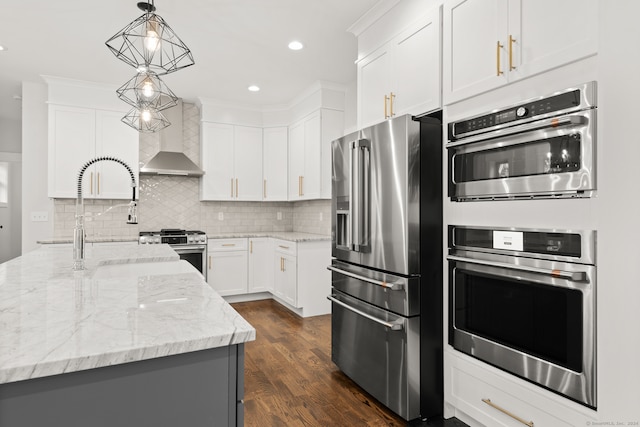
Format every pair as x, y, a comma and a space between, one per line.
387, 268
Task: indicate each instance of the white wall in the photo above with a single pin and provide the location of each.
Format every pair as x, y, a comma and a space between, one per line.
10, 136
10, 148
34, 165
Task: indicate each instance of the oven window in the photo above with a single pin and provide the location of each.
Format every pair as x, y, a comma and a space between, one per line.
540, 320
194, 258
552, 155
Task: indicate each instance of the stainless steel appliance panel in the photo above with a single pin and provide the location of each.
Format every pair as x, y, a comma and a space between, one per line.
398, 294
376, 196
379, 351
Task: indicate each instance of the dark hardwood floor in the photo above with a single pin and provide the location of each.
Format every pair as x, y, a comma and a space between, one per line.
290, 379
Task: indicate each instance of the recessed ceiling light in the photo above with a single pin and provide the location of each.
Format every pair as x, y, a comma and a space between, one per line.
2, 48
295, 45
253, 88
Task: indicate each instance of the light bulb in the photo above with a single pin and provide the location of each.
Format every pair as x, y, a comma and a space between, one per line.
147, 89
145, 115
151, 38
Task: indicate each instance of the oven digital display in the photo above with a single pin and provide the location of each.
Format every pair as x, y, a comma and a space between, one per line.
505, 116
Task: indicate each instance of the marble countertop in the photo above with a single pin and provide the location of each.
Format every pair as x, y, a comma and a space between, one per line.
54, 320
292, 236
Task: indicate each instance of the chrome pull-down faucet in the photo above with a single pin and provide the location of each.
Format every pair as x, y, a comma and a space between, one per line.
78, 232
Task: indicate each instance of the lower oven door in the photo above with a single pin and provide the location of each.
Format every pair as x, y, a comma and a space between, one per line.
533, 318
378, 350
196, 255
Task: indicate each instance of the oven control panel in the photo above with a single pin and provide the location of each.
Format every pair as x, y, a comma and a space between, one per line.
526, 110
183, 238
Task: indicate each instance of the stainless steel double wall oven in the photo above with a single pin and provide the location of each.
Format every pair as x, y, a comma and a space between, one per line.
524, 299
387, 273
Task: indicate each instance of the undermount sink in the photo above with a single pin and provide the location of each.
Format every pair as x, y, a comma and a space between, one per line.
139, 269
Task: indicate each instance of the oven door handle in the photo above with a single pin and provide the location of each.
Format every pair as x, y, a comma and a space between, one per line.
392, 286
551, 123
391, 325
574, 276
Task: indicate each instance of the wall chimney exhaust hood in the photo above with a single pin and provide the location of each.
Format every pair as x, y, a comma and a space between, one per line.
171, 160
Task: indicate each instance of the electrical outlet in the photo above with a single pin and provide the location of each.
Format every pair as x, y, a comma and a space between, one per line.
220, 216
320, 216
39, 216
279, 216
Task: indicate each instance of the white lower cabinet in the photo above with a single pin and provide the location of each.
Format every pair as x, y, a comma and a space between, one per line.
494, 398
260, 269
294, 272
285, 263
227, 266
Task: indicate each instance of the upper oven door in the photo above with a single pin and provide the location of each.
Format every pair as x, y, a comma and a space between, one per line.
554, 157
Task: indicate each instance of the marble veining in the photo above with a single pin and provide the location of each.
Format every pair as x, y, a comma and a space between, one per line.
54, 320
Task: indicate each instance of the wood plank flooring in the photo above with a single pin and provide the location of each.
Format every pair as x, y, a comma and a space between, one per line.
290, 379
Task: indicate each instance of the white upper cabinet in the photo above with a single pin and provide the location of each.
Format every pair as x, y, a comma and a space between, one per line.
274, 164
78, 135
310, 154
403, 75
232, 161
489, 43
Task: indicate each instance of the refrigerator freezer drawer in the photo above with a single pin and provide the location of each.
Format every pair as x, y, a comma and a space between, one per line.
382, 359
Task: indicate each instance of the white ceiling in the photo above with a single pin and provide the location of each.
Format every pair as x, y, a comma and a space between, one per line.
235, 43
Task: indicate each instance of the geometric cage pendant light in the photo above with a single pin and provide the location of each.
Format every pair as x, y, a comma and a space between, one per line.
146, 90
149, 43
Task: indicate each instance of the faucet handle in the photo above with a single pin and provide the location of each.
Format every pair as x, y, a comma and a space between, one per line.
132, 215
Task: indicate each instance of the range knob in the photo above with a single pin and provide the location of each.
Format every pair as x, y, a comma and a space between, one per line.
522, 111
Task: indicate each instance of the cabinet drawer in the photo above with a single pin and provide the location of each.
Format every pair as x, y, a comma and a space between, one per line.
285, 246
221, 245
476, 397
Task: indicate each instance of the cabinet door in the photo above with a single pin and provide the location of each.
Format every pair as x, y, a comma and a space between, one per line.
227, 273
416, 67
374, 83
71, 145
285, 277
274, 166
248, 163
260, 268
115, 139
296, 160
312, 157
218, 182
474, 51
546, 40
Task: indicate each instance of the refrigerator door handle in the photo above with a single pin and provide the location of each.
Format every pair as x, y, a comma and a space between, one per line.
359, 196
391, 286
391, 325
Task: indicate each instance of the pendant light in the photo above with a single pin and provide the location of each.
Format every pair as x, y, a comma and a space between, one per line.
146, 120
149, 42
147, 90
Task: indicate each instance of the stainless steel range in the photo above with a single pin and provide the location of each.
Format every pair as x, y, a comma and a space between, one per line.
190, 245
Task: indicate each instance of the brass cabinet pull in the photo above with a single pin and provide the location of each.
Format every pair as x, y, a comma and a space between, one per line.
283, 247
504, 411
98, 183
251, 247
228, 244
284, 264
511, 40
281, 268
391, 96
209, 262
237, 187
91, 184
299, 185
302, 185
231, 187
499, 46
386, 115
264, 189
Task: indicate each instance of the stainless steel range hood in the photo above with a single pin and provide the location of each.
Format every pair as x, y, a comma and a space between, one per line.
171, 160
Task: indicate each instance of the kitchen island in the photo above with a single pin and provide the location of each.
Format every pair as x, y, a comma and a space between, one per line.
138, 338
